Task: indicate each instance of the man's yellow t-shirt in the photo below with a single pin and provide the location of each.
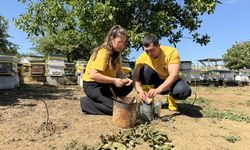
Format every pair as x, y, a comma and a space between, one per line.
168, 55
100, 64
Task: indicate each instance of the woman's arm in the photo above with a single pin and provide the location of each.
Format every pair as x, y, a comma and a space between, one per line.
98, 77
126, 80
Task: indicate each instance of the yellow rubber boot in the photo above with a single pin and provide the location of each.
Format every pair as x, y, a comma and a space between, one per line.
172, 106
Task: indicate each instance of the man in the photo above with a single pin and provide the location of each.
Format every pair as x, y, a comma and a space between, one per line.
157, 72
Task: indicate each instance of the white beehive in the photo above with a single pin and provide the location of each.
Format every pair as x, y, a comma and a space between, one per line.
56, 66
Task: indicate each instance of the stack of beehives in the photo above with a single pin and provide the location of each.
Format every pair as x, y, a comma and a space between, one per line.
8, 72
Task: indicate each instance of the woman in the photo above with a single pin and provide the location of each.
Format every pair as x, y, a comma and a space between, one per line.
103, 74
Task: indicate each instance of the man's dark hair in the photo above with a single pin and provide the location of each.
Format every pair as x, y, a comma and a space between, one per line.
150, 38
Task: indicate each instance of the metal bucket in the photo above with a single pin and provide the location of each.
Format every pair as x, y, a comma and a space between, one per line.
150, 111
124, 114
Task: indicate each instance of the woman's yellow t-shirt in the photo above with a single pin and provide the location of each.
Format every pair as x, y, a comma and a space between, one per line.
100, 64
168, 55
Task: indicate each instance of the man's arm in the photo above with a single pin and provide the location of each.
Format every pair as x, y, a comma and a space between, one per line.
138, 87
173, 70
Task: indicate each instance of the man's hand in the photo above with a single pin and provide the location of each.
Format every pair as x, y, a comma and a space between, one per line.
142, 96
153, 92
118, 82
127, 81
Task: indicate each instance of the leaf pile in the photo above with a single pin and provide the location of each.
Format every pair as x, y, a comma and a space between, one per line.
130, 138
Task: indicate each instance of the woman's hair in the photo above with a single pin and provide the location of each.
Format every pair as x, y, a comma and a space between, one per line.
114, 56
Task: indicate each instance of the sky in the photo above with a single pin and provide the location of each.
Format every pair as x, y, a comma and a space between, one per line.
229, 24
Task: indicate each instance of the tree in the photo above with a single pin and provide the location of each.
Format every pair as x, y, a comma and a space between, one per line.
238, 56
88, 21
6, 47
65, 43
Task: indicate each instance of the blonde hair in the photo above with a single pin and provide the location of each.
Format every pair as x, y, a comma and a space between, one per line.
114, 57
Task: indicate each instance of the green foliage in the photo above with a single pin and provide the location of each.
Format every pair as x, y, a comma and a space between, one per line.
80, 25
213, 113
63, 43
6, 47
248, 103
231, 138
130, 138
200, 101
74, 145
238, 56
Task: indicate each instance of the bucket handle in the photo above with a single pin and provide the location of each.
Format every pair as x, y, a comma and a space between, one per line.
113, 93
117, 99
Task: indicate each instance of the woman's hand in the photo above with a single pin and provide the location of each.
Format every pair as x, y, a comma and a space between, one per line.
118, 82
127, 81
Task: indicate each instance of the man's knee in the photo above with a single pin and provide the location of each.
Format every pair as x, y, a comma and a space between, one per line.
181, 90
148, 75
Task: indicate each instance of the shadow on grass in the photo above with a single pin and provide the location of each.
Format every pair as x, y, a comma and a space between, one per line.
186, 109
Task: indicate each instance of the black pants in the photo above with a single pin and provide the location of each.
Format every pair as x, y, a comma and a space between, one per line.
99, 99
179, 90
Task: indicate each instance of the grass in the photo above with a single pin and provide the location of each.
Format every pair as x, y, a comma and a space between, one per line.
239, 94
227, 114
75, 145
231, 138
228, 138
200, 101
248, 103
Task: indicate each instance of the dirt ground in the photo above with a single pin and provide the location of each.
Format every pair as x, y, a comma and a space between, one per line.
23, 118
